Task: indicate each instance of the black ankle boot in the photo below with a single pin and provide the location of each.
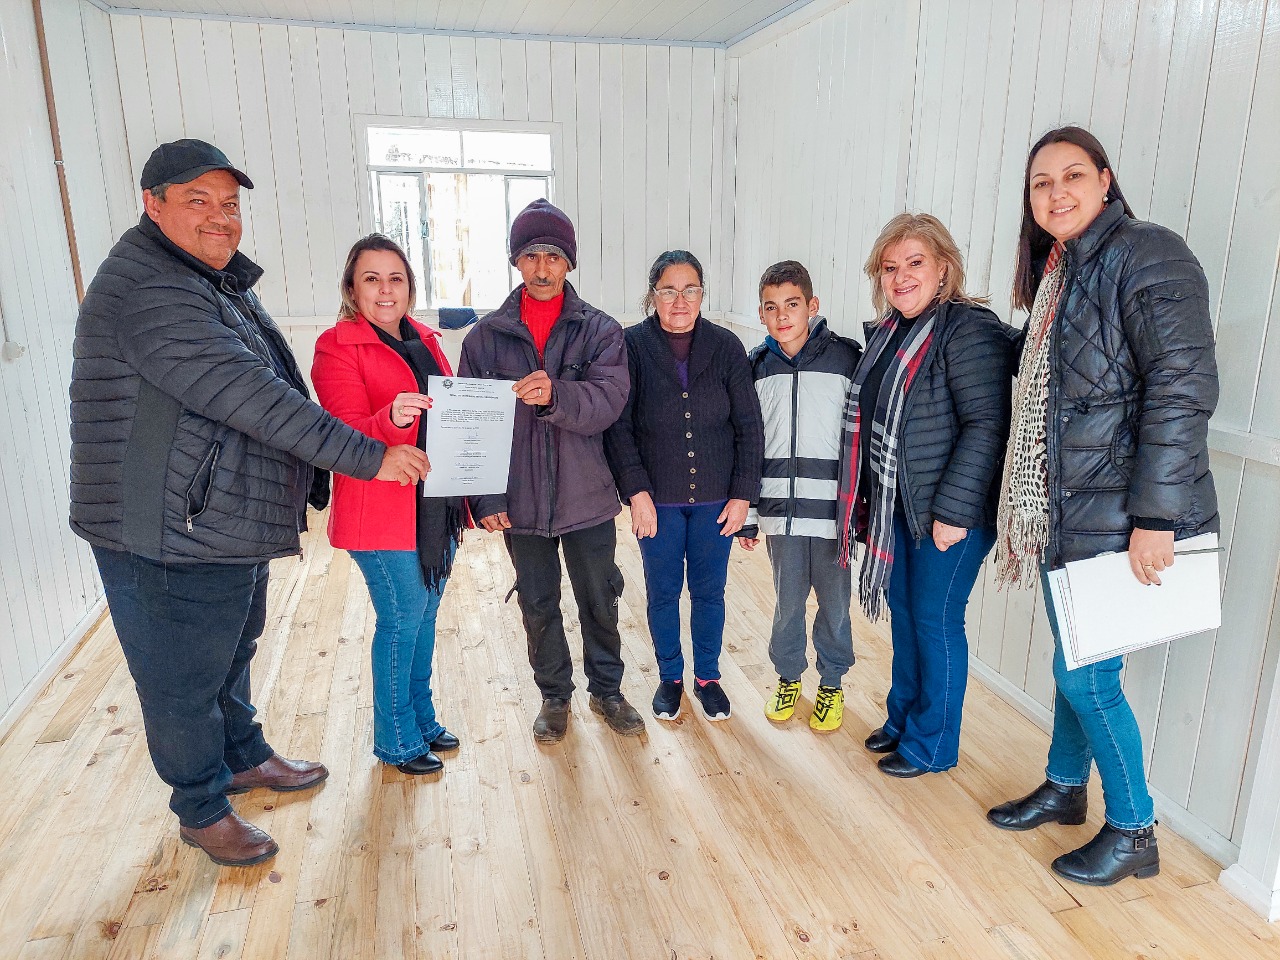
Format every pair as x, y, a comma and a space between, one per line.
1111, 856
1048, 803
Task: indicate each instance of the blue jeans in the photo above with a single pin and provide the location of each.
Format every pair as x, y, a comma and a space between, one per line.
189, 632
404, 641
928, 592
1092, 720
688, 537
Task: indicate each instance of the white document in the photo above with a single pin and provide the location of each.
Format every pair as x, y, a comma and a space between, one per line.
468, 436
1103, 611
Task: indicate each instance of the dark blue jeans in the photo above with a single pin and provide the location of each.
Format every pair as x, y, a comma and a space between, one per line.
688, 538
928, 592
189, 632
1092, 721
404, 642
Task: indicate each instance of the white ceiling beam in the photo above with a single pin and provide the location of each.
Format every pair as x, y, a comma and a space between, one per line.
792, 17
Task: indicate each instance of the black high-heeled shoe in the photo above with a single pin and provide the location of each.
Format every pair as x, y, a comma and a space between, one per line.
444, 743
880, 742
427, 763
1048, 803
896, 765
1111, 856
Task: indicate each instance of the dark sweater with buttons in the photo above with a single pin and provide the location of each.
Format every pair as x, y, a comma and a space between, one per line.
699, 444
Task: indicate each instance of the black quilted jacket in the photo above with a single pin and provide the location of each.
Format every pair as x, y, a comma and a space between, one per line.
1133, 384
956, 422
186, 446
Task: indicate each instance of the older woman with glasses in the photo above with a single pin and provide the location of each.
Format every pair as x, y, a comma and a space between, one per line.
686, 455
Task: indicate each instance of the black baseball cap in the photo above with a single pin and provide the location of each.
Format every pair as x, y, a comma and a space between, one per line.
183, 160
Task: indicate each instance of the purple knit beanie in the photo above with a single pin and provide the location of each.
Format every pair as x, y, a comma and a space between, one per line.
542, 224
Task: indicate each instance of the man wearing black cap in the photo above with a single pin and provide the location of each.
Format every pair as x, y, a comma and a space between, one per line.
569, 365
194, 451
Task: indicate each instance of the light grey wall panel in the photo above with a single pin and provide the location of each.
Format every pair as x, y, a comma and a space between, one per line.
824, 126
640, 130
1182, 94
91, 126
48, 581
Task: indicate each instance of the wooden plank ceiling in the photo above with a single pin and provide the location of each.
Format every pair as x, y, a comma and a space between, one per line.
681, 21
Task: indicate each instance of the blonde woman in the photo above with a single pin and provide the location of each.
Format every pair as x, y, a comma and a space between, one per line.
925, 430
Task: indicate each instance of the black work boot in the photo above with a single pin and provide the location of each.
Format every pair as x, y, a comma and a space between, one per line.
620, 715
1111, 856
552, 721
1048, 803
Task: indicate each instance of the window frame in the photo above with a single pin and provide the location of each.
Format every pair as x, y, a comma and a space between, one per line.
367, 202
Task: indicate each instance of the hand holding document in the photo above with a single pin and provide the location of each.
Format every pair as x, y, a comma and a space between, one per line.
1103, 611
469, 429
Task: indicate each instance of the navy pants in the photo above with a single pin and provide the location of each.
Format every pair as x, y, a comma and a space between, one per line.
928, 592
189, 632
689, 543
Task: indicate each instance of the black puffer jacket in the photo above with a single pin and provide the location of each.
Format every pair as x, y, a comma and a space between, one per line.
1133, 383
186, 446
956, 422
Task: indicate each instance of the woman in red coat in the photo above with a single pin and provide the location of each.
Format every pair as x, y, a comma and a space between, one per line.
371, 371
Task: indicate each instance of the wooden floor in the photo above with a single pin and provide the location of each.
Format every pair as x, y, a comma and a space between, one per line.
731, 841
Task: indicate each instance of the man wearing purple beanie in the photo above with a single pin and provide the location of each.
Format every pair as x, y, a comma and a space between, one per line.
569, 365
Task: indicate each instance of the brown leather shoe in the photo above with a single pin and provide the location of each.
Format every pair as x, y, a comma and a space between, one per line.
231, 841
280, 774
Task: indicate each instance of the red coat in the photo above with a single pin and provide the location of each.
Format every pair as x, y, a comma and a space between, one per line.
356, 377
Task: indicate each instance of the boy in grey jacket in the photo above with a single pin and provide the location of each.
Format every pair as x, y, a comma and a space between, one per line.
802, 375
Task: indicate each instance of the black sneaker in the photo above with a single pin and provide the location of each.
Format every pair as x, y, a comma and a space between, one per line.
666, 702
715, 704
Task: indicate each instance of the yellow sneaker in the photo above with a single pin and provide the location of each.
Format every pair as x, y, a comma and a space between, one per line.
828, 709
783, 702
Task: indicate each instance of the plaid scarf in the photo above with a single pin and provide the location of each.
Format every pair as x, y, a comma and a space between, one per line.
1022, 521
876, 519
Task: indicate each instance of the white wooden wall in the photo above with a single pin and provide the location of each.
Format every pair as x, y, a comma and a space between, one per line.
879, 105
48, 581
642, 131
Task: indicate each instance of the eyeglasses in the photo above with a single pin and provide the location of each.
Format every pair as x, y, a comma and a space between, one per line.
667, 295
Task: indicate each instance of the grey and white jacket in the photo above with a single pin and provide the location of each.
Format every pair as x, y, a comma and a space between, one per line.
802, 400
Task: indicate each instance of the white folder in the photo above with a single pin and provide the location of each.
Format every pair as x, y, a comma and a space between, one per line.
1103, 611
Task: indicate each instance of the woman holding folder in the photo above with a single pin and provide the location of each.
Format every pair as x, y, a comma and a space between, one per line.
1108, 452
371, 371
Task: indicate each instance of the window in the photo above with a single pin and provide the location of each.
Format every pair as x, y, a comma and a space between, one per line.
448, 197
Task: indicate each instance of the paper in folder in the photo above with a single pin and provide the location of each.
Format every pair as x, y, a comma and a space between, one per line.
1103, 611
